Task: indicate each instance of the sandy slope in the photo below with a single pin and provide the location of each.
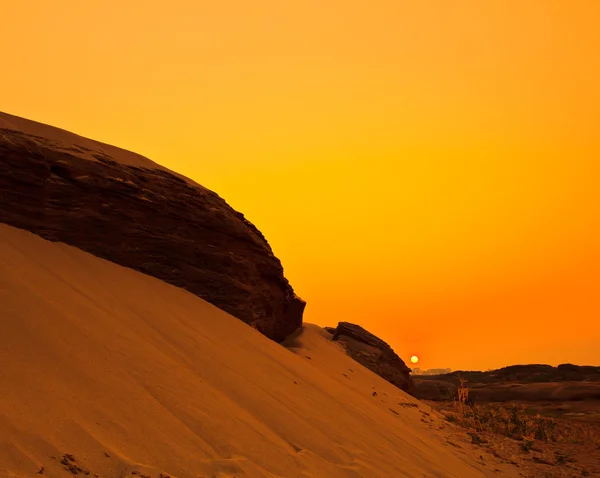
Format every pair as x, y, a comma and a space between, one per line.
127, 373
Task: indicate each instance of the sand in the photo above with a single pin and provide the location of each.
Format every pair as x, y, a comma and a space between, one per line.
113, 372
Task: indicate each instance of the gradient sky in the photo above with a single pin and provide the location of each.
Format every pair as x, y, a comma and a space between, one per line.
427, 169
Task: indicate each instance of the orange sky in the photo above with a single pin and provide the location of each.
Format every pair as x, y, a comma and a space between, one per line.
428, 169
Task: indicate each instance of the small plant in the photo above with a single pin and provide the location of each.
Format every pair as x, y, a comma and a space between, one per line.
451, 418
476, 439
463, 397
563, 458
527, 445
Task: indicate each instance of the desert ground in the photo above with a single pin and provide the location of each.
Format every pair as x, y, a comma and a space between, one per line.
543, 419
109, 372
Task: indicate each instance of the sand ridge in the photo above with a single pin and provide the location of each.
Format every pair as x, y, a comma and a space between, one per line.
112, 372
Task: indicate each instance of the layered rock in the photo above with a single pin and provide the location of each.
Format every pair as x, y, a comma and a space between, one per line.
372, 352
124, 208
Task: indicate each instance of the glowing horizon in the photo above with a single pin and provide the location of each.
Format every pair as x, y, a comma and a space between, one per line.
428, 171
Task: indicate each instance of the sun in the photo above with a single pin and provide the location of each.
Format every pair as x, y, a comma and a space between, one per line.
414, 359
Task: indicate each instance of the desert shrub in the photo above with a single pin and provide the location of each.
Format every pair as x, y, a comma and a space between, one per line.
527, 445
513, 421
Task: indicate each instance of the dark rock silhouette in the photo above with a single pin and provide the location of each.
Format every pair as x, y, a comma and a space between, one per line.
435, 389
372, 352
140, 215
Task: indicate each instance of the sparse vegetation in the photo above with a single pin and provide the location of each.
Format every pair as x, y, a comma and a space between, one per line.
476, 439
527, 446
563, 458
513, 421
520, 433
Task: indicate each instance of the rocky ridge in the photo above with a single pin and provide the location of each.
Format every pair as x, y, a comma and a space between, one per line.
372, 352
124, 208
529, 382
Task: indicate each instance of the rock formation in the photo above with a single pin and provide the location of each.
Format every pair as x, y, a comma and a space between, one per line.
373, 353
124, 208
438, 390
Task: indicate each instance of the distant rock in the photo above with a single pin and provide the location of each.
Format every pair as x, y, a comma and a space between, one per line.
438, 390
122, 207
430, 371
527, 373
372, 352
529, 382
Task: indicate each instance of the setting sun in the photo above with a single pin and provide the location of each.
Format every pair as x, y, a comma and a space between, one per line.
225, 226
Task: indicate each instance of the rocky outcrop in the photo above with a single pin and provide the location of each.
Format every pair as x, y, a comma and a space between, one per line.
124, 208
373, 353
438, 390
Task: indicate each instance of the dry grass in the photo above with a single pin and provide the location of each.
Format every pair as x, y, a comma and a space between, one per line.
518, 434
514, 421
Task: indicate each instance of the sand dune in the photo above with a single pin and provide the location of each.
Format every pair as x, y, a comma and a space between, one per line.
111, 372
